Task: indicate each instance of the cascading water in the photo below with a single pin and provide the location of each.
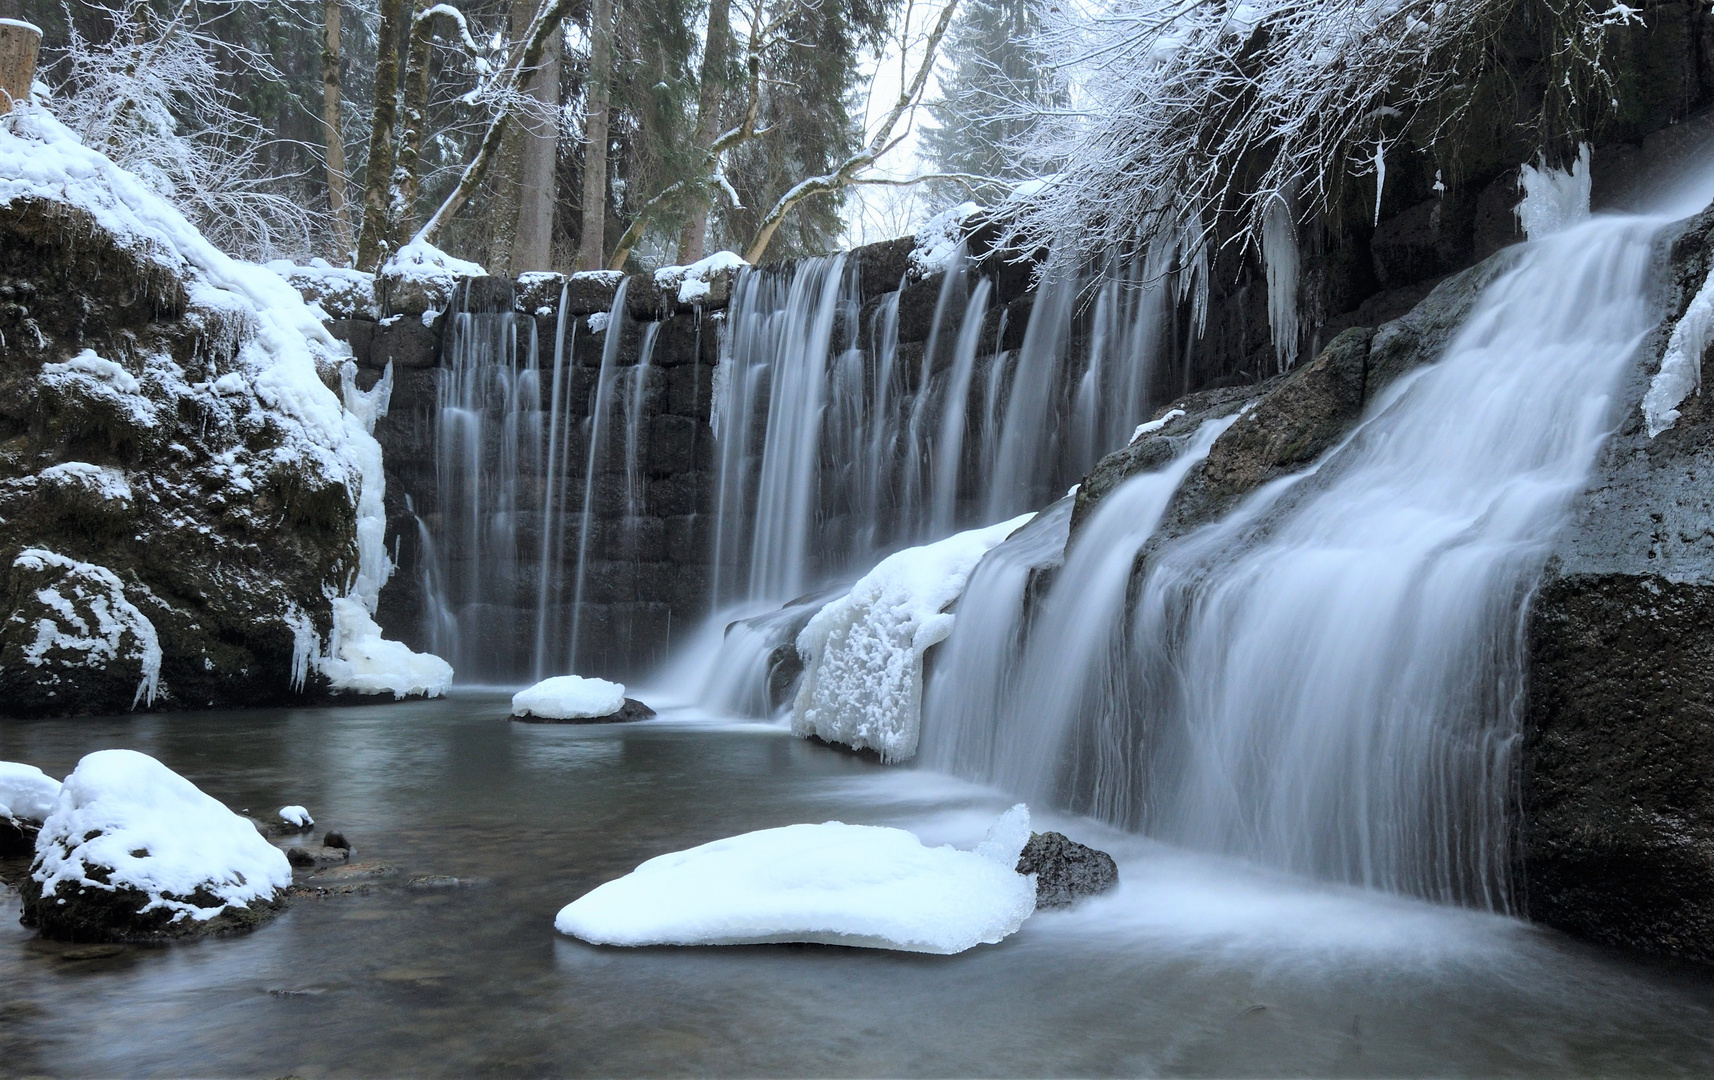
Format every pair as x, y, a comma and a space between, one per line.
1328, 680
835, 451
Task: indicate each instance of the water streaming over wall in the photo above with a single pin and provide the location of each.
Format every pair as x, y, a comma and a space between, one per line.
538, 461
1328, 680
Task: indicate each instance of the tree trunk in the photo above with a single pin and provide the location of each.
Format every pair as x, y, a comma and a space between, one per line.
330, 104
598, 90
378, 173
19, 44
503, 176
532, 246
714, 59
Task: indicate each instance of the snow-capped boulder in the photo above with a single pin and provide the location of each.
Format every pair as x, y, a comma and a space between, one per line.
862, 653
833, 884
26, 797
189, 485
133, 851
572, 699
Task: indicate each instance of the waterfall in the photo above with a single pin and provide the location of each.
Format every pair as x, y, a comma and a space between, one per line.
596, 428
838, 448
1328, 680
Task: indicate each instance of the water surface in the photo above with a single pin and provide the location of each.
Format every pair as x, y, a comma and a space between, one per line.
1194, 967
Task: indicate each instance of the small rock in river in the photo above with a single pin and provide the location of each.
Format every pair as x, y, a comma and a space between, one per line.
336, 839
1066, 870
321, 856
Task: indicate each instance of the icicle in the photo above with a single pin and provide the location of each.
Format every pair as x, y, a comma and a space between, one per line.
1380, 174
1554, 199
1281, 257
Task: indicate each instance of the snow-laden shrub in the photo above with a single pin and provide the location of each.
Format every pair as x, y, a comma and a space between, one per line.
1198, 121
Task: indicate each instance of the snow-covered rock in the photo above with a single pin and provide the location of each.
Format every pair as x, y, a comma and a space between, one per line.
862, 653
421, 277
133, 850
573, 699
836, 884
189, 490
26, 797
296, 816
704, 283
339, 291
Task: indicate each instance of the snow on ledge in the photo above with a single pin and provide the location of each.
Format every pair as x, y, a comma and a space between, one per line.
156, 832
938, 240
569, 697
834, 884
862, 682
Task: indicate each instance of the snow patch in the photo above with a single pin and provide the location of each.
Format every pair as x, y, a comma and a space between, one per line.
836, 884
101, 481
26, 793
340, 292
1149, 427
296, 816
1554, 199
862, 682
131, 820
569, 697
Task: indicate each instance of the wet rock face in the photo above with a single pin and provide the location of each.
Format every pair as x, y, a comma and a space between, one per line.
1617, 836
156, 524
17, 838
95, 914
1065, 870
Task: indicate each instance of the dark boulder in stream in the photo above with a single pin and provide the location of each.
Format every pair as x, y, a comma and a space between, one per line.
1065, 870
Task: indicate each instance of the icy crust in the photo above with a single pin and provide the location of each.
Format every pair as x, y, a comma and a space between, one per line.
833, 884
340, 292
862, 653
123, 821
569, 697
360, 661
90, 625
695, 283
26, 793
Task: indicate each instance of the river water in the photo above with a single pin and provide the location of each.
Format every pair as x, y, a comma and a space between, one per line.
1195, 966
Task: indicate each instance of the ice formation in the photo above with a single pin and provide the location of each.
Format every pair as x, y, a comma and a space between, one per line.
862, 682
694, 282
1281, 256
939, 238
1681, 364
26, 793
569, 697
124, 820
836, 884
281, 341
360, 661
296, 815
1554, 199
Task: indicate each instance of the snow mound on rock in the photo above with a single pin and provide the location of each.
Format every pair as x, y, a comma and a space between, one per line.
360, 661
297, 816
340, 292
569, 697
939, 238
26, 793
124, 820
862, 683
835, 884
695, 283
